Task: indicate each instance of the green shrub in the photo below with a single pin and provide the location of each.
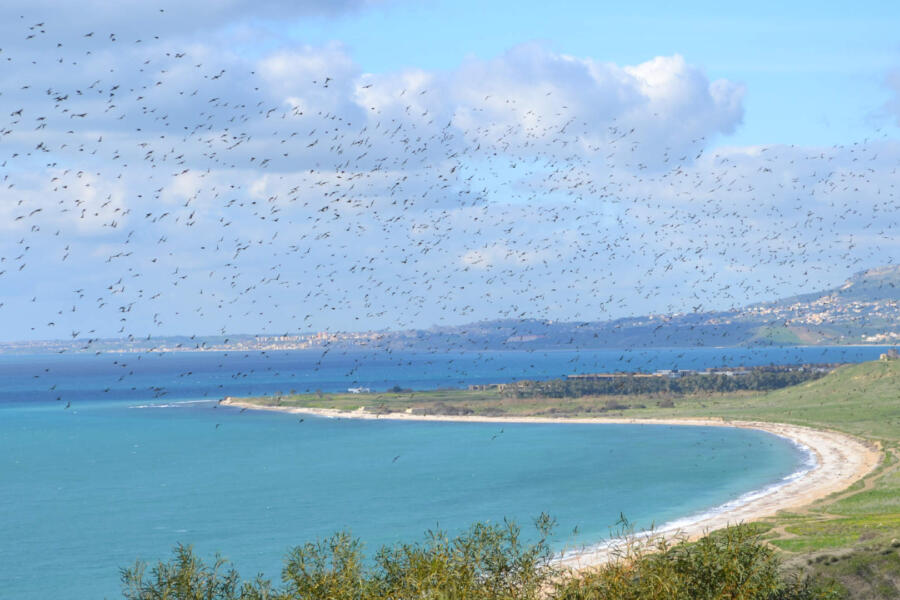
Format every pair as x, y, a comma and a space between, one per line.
732, 564
185, 577
487, 562
326, 569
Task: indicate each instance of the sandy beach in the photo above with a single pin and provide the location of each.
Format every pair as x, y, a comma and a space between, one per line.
841, 460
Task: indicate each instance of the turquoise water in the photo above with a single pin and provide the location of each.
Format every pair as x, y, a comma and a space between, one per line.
93, 490
121, 475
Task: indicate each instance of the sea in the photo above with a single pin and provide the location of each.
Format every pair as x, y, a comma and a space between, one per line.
114, 458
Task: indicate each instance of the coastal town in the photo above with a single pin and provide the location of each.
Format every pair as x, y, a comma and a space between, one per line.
864, 310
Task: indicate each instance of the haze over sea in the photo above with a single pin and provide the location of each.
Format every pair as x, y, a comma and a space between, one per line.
143, 458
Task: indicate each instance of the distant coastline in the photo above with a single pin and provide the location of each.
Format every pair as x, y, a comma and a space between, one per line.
840, 461
863, 311
165, 345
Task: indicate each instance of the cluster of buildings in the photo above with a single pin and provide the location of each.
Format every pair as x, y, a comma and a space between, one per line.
727, 371
827, 310
267, 343
299, 341
866, 321
887, 337
235, 343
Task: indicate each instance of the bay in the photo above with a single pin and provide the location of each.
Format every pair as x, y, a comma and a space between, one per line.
145, 458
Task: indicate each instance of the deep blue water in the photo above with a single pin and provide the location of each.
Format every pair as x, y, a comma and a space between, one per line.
129, 472
190, 375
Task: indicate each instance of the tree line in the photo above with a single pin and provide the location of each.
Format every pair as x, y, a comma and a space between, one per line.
759, 379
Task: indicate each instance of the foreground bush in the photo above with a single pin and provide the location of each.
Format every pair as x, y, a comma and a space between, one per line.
488, 562
732, 564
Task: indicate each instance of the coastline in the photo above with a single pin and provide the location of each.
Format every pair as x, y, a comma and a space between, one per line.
840, 461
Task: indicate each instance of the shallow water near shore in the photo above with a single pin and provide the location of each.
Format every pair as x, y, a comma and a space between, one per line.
124, 476
97, 489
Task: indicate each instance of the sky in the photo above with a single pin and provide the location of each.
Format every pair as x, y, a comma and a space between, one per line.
815, 71
278, 167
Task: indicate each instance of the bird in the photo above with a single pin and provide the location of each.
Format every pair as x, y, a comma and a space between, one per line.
391, 204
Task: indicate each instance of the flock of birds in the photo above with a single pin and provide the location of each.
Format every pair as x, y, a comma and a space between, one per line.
150, 189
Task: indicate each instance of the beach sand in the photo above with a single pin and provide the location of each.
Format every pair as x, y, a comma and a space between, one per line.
841, 460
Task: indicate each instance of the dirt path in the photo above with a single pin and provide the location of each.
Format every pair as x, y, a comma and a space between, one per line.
818, 511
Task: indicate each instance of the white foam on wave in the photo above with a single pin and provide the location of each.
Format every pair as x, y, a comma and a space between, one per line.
810, 463
173, 404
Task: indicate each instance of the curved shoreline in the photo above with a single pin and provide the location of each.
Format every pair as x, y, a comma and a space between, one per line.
841, 460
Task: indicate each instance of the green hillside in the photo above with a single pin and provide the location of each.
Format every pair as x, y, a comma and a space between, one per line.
861, 399
853, 536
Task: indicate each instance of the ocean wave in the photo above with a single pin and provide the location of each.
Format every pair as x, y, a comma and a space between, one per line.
810, 463
182, 404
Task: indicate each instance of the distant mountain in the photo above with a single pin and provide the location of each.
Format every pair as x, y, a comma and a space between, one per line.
865, 309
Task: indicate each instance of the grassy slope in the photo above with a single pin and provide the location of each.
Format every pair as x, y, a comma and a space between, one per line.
851, 536
481, 402
862, 399
382, 402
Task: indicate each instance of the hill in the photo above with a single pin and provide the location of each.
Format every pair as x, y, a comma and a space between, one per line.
865, 309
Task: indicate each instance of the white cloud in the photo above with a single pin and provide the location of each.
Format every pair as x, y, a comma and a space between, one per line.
558, 186
532, 94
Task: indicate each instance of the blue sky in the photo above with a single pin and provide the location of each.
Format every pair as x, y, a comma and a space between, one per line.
814, 71
275, 166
